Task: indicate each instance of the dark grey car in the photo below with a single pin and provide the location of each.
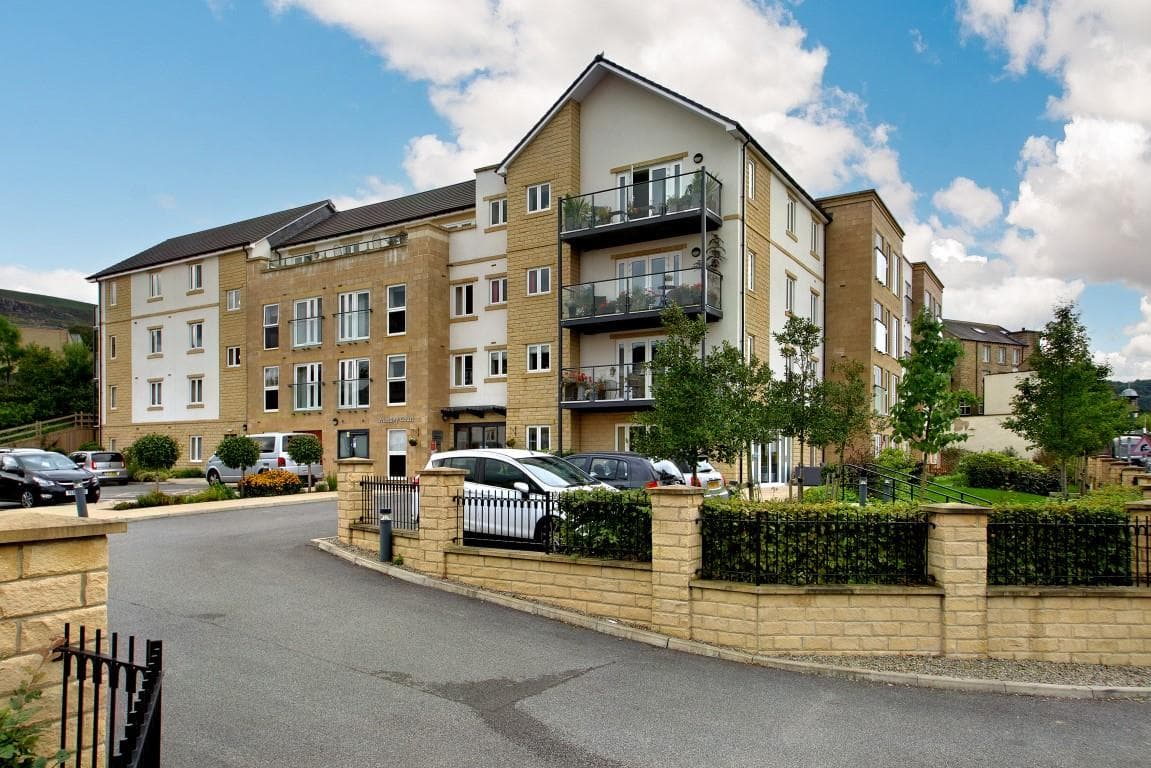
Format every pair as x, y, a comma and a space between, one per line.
33, 477
625, 469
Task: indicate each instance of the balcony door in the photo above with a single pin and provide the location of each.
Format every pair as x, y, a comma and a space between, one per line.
647, 279
645, 192
634, 357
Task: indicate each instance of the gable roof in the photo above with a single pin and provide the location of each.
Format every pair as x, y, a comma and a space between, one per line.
433, 202
226, 237
985, 333
601, 65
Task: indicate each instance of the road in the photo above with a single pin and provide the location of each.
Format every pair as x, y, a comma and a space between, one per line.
278, 654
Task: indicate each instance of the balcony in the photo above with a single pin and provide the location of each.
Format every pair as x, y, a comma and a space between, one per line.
635, 302
281, 261
670, 206
607, 387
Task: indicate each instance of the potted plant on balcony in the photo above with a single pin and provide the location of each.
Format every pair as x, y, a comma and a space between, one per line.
576, 213
575, 383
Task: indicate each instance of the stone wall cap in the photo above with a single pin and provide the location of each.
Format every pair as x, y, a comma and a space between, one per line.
444, 472
1139, 506
954, 508
676, 490
25, 527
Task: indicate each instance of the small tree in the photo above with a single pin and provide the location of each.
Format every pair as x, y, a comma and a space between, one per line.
306, 449
927, 406
238, 453
155, 453
847, 414
799, 396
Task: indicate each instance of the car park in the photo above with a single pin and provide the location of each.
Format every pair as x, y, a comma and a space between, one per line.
32, 477
109, 466
273, 455
507, 490
627, 469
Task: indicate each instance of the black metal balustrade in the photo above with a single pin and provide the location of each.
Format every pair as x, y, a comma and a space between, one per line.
1069, 553
618, 297
399, 494
670, 196
598, 383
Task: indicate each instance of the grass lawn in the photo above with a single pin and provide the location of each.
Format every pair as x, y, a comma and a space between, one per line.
991, 494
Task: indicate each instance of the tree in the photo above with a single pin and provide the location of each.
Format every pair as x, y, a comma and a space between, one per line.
238, 453
799, 396
155, 453
927, 406
1066, 407
306, 449
847, 413
9, 348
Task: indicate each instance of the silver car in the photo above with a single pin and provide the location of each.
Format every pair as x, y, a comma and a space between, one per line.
109, 466
273, 455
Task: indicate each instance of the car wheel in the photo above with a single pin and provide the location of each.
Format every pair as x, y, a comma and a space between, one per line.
27, 499
544, 529
213, 477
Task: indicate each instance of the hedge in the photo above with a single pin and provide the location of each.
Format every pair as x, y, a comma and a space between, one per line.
607, 524
274, 482
992, 469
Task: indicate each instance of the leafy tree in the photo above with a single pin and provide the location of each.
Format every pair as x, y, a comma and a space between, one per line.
238, 453
927, 406
847, 414
1066, 407
155, 453
799, 396
306, 449
46, 384
9, 348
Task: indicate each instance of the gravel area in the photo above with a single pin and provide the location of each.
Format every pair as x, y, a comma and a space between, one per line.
995, 669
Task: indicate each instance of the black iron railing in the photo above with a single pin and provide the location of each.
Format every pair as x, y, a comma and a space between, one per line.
496, 518
126, 732
837, 546
623, 296
1069, 553
885, 484
399, 494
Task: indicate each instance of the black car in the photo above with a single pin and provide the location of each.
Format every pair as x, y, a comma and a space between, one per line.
34, 477
623, 469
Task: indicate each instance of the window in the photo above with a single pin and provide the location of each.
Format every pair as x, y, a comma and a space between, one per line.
462, 301
307, 328
1001, 355
879, 397
539, 357
112, 293
498, 290
751, 270
497, 212
751, 180
789, 295
539, 438
1015, 356
154, 289
750, 347
196, 390
233, 357
195, 277
196, 448
354, 383
880, 260
272, 388
539, 281
893, 391
816, 230
155, 341
271, 326
355, 312
986, 353
352, 444
791, 206
539, 197
196, 335
397, 309
397, 379
813, 310
498, 363
112, 391
156, 394
306, 387
463, 370
233, 299
397, 453
896, 273
880, 329
112, 347
896, 337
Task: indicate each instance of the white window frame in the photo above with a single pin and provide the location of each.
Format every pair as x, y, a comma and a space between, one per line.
156, 394
498, 290
985, 355
196, 277
750, 270
233, 301
539, 281
1016, 356
196, 335
464, 370
792, 205
880, 329
112, 347
156, 341
307, 322
355, 320
750, 179
463, 300
155, 289
276, 324
393, 377
112, 391
1001, 355
272, 387
880, 260
535, 358
351, 394
814, 308
195, 390
498, 212
789, 294
539, 197
196, 449
397, 309
815, 230
113, 293
498, 364
307, 390
539, 437
232, 357
397, 446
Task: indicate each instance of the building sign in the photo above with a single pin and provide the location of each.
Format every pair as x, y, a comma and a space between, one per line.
396, 419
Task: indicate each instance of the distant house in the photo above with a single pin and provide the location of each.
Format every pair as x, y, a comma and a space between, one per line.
985, 430
988, 349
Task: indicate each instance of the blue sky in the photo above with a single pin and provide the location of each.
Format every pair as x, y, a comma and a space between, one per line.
983, 123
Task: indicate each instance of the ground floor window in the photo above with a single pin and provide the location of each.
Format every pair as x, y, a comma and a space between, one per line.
624, 434
397, 453
483, 435
352, 444
771, 460
196, 448
539, 438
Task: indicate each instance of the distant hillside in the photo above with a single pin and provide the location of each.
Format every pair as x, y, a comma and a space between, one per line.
32, 310
1142, 386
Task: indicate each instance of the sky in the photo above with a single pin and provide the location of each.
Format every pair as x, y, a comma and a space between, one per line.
1010, 138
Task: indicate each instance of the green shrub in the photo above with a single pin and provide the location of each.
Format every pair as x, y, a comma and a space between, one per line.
605, 524
155, 452
950, 457
20, 732
332, 483
275, 482
893, 458
90, 445
218, 492
992, 469
150, 475
157, 499
818, 494
188, 472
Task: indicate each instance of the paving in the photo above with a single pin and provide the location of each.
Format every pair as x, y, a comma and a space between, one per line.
280, 654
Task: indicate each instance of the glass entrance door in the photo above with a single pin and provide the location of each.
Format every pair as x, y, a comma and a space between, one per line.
635, 356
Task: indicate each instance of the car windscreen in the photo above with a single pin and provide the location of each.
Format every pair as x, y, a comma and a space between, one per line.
555, 472
107, 458
46, 461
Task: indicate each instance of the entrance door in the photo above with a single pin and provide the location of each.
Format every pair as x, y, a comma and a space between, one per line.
634, 357
646, 191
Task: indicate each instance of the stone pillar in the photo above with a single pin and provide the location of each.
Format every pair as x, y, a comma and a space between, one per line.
439, 489
957, 558
676, 552
1139, 515
349, 497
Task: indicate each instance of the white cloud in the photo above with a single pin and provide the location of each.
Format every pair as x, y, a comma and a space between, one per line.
373, 190
166, 201
974, 205
1134, 360
64, 283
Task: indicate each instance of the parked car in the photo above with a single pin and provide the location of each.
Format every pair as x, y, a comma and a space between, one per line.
507, 490
109, 466
627, 469
34, 477
273, 455
706, 477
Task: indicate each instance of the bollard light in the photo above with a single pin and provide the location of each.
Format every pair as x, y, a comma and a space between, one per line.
81, 500
385, 535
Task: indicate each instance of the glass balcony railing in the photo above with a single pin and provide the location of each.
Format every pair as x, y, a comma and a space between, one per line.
603, 383
642, 293
648, 200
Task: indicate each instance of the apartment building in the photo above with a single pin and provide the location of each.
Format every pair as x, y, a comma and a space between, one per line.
519, 308
988, 350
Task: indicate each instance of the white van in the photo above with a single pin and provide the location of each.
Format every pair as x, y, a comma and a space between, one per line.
273, 455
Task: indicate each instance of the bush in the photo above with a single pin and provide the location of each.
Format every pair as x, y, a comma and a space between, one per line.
21, 727
90, 445
275, 482
218, 492
189, 472
155, 452
156, 499
950, 457
995, 470
332, 483
238, 452
305, 449
817, 494
605, 524
893, 458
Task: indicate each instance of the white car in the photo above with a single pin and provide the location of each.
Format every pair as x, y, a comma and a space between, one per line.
511, 493
709, 478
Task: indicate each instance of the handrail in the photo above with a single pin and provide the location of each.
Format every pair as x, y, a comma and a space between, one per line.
944, 490
906, 486
48, 426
